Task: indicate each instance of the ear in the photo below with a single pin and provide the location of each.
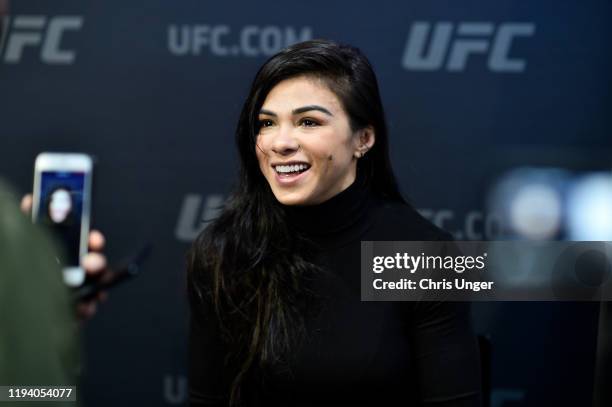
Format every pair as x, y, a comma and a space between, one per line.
365, 141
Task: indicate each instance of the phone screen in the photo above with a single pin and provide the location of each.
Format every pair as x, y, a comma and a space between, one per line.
60, 209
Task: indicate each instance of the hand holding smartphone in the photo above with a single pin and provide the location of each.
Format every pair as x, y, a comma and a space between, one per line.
61, 202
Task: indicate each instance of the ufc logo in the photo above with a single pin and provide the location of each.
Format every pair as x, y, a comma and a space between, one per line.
462, 41
38, 32
195, 214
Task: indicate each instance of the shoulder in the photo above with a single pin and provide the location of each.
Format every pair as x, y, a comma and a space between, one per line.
394, 220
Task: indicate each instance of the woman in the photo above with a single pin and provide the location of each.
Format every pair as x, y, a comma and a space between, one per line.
274, 281
59, 206
61, 218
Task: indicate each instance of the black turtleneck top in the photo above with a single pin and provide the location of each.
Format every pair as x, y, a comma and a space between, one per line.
356, 353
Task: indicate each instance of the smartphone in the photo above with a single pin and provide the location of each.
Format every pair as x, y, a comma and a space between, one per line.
61, 203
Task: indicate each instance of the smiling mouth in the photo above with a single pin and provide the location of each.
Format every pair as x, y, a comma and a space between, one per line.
291, 169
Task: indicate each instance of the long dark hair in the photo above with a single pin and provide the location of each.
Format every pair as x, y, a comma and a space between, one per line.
248, 263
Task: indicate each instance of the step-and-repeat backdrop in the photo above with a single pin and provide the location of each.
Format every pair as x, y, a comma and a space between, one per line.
153, 88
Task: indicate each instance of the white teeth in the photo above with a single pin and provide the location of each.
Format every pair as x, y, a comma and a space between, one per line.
284, 169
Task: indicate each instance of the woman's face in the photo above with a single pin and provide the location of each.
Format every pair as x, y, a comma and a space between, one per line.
60, 205
305, 147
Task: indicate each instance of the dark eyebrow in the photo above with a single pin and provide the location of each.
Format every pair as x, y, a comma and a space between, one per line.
311, 107
267, 112
299, 110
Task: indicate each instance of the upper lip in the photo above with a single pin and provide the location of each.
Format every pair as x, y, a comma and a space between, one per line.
291, 163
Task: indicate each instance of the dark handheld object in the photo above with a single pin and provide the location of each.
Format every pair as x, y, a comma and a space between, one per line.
109, 278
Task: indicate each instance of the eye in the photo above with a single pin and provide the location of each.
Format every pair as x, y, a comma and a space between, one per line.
265, 123
306, 122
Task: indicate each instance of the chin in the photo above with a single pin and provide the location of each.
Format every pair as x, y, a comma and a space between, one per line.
292, 199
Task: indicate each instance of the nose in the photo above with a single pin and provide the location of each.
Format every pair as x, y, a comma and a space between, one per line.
284, 142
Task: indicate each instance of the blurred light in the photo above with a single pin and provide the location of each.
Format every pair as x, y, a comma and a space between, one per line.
535, 211
589, 211
530, 202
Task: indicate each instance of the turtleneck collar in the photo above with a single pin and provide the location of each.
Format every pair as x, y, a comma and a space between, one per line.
340, 219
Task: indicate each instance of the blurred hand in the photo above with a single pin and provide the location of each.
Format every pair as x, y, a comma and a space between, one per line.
93, 262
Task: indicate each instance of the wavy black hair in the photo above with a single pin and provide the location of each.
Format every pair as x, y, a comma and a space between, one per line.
248, 263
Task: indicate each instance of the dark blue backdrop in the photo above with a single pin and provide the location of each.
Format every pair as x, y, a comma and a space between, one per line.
153, 89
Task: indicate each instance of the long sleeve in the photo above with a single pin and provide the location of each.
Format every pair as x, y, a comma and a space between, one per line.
207, 370
446, 354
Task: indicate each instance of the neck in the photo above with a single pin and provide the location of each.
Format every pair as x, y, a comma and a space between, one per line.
336, 220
